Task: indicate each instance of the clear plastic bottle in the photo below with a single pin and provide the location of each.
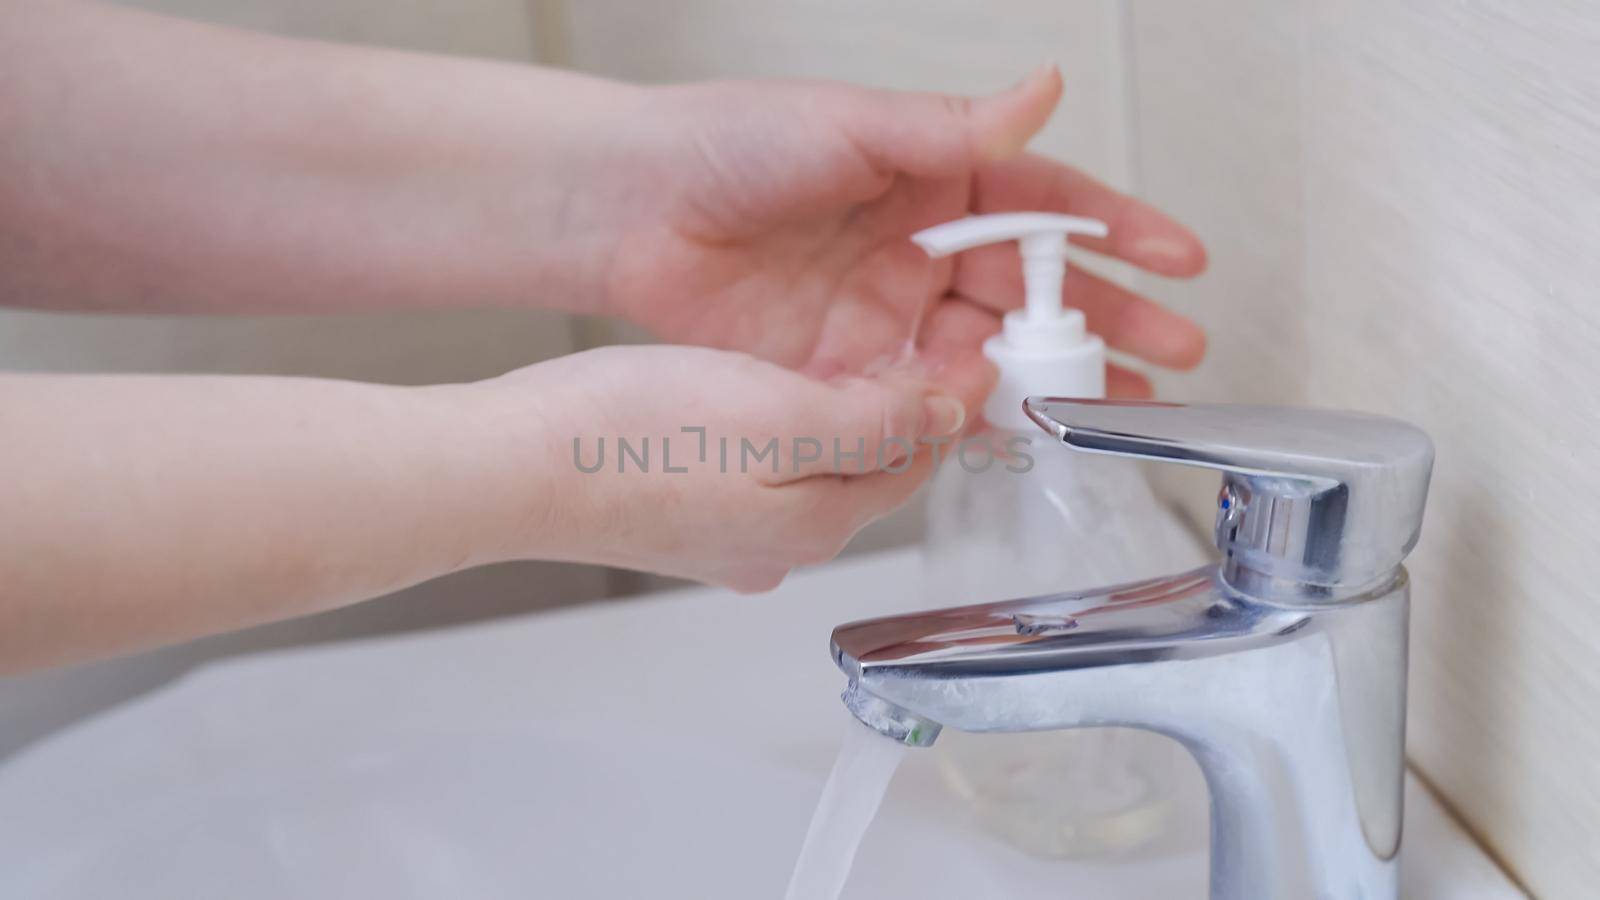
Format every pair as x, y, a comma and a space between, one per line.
1071, 521
1010, 515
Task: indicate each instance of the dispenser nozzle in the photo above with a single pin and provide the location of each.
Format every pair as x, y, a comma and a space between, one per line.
1042, 241
975, 231
1042, 343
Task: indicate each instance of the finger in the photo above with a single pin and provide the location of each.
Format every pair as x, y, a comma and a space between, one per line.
880, 493
970, 378
753, 579
846, 504
825, 511
856, 425
951, 346
933, 135
1139, 233
1126, 384
1127, 321
957, 325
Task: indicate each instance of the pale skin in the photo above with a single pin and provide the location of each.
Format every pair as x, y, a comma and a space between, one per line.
156, 165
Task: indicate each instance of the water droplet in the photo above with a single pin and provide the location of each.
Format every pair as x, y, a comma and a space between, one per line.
1030, 624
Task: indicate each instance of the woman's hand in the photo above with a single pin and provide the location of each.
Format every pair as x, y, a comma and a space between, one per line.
735, 470
767, 217
159, 508
774, 218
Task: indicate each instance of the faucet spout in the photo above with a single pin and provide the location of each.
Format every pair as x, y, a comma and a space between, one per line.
1295, 713
1282, 670
896, 723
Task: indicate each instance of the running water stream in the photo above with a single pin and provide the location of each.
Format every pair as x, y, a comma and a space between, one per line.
850, 799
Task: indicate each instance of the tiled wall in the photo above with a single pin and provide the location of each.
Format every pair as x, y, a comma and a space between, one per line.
929, 45
1403, 202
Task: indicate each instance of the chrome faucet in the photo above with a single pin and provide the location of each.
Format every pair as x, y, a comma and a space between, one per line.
1282, 668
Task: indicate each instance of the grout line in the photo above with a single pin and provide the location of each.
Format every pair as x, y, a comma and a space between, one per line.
1450, 809
1122, 90
551, 33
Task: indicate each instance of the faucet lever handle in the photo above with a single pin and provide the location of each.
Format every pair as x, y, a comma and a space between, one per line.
1314, 502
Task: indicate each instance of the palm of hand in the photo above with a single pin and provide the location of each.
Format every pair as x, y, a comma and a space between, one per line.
784, 216
779, 234
839, 291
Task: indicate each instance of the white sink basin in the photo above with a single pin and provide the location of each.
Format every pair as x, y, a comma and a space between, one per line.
668, 747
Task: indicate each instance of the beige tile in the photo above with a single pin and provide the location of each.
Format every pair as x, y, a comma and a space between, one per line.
1402, 205
944, 45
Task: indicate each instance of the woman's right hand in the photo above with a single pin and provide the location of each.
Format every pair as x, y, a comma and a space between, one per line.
740, 481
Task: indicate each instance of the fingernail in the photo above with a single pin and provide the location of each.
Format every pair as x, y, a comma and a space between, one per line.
1164, 250
943, 415
1008, 119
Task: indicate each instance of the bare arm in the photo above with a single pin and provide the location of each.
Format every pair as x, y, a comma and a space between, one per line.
139, 510
155, 164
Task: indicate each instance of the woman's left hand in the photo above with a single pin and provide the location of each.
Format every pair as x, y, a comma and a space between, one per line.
777, 216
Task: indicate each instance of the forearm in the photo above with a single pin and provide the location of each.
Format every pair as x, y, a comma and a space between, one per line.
141, 510
152, 163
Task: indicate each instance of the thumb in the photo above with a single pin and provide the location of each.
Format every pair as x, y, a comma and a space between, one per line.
858, 425
933, 135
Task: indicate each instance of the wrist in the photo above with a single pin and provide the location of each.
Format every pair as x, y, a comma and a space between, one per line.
562, 192
499, 441
479, 188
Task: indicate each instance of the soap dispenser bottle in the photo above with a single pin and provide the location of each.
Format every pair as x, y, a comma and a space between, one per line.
1004, 521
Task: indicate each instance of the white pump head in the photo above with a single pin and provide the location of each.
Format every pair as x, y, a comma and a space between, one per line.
1042, 348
